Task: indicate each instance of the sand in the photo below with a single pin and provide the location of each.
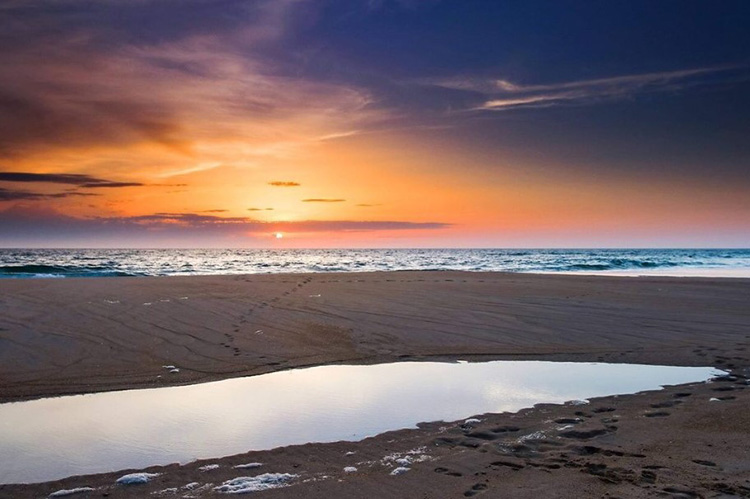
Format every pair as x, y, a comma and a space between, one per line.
60, 336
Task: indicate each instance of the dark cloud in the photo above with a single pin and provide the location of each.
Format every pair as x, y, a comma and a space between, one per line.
84, 181
22, 195
323, 200
35, 223
355, 226
279, 183
40, 116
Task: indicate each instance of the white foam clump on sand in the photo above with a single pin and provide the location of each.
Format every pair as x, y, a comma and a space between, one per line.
472, 421
209, 467
350, 469
136, 478
248, 466
245, 484
576, 402
70, 492
411, 456
399, 471
537, 435
163, 492
174, 371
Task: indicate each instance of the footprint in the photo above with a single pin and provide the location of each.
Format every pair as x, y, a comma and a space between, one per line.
703, 462
583, 434
603, 409
666, 403
477, 488
681, 492
648, 476
514, 465
446, 471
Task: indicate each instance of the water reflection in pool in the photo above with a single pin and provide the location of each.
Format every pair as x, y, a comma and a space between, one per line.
52, 438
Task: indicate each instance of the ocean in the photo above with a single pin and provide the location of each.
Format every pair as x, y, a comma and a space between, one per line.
61, 263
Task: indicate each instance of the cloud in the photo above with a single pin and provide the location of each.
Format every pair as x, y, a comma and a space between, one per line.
30, 223
214, 211
84, 181
355, 226
323, 200
260, 209
205, 90
279, 183
22, 195
367, 205
501, 94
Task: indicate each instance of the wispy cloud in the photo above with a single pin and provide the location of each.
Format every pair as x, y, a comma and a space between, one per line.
502, 94
280, 183
23, 195
323, 200
185, 102
84, 181
260, 209
19, 222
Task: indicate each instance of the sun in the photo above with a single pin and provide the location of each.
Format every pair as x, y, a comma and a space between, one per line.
279, 235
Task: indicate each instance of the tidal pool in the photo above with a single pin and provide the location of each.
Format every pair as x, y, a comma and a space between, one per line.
52, 438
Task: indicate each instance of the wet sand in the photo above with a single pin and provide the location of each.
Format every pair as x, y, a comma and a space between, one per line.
81, 335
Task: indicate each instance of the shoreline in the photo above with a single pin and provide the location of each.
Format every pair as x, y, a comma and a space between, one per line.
116, 333
66, 336
659, 443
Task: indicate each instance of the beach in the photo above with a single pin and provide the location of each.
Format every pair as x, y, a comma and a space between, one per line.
70, 336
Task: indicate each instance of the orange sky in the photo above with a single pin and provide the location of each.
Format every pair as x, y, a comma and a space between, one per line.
112, 139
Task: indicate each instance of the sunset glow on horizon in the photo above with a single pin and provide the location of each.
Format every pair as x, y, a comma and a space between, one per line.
322, 123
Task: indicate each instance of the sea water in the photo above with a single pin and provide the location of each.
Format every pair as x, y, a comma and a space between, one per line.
20, 263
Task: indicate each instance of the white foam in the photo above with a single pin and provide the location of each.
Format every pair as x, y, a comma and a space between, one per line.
248, 466
537, 435
245, 484
209, 467
399, 471
174, 371
350, 469
70, 492
576, 402
136, 478
170, 491
472, 421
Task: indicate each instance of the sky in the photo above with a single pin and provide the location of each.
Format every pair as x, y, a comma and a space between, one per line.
374, 123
